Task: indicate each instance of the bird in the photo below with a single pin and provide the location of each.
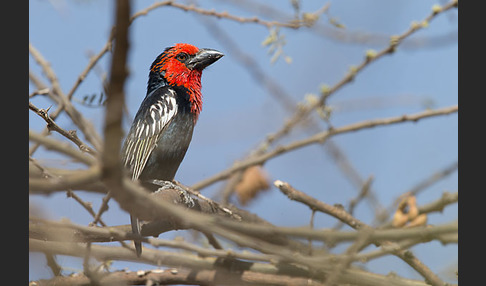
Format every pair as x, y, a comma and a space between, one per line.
163, 126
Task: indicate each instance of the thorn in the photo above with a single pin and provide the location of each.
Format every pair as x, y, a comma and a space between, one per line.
278, 183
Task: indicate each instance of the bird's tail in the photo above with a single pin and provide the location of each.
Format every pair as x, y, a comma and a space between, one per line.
136, 230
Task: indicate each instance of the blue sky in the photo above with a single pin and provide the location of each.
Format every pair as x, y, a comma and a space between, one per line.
238, 112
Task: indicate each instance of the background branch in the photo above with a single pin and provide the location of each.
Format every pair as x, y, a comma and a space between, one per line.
112, 168
321, 138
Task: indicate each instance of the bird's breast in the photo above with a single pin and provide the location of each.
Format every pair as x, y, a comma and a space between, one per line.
171, 148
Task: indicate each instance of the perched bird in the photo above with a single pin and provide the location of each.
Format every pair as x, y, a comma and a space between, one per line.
162, 129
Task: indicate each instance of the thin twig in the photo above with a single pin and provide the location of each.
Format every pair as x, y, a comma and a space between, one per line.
103, 208
195, 263
62, 147
281, 97
303, 112
181, 276
341, 214
52, 125
92, 62
83, 124
294, 24
320, 138
346, 36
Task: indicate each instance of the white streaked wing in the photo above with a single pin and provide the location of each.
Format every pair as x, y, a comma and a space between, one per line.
145, 132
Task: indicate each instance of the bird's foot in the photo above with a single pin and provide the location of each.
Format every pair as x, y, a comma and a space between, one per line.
164, 185
186, 198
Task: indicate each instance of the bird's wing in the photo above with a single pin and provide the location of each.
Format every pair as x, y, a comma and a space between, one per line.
153, 116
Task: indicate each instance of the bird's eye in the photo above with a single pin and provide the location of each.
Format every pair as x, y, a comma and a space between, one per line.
182, 57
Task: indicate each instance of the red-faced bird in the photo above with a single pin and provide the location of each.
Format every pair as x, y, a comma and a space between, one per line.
162, 129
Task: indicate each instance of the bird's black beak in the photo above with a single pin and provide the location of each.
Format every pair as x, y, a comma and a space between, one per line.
204, 58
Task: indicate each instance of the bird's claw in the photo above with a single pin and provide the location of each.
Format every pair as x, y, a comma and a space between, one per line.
164, 185
185, 196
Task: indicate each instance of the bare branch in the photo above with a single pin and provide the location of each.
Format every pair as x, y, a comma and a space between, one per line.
321, 138
84, 125
52, 125
92, 62
195, 263
183, 277
294, 24
302, 113
342, 215
61, 147
77, 179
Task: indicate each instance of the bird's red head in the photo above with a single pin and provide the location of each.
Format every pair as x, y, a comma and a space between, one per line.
182, 65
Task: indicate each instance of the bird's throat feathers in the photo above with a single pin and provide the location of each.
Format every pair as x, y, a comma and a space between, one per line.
191, 81
166, 70
189, 84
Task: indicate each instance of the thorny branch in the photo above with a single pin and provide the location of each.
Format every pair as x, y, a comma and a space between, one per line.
304, 111
345, 217
183, 276
320, 138
339, 34
277, 91
52, 125
294, 24
83, 124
